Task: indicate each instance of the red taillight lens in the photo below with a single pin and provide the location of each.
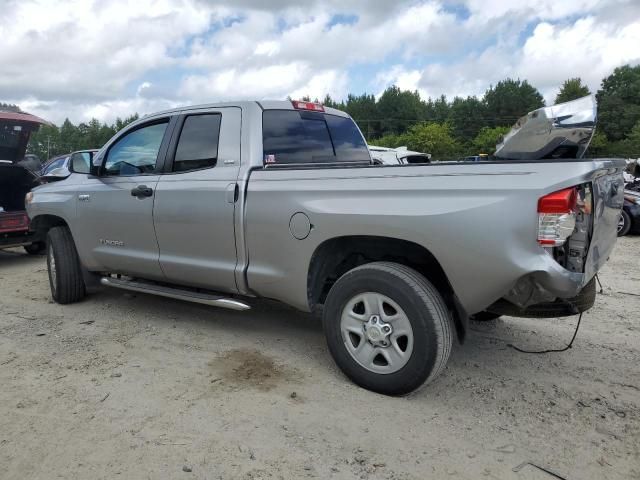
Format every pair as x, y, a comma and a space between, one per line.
13, 222
557, 217
563, 201
315, 107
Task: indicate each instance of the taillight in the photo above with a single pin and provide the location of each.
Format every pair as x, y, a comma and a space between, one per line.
315, 107
557, 217
13, 222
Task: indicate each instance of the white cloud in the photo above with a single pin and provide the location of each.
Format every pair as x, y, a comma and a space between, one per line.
108, 58
587, 48
89, 48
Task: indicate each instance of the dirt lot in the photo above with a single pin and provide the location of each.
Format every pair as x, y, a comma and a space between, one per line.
133, 386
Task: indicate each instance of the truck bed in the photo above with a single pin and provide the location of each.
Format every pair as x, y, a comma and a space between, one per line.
478, 220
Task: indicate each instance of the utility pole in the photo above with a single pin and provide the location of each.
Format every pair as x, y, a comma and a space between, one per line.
48, 146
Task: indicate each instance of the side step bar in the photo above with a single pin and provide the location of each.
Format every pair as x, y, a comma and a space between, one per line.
178, 294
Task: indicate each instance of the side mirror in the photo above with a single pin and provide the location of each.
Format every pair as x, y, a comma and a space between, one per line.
81, 162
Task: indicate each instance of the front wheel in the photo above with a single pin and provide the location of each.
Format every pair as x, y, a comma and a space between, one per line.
387, 328
63, 264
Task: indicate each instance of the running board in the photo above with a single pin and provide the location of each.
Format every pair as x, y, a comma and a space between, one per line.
178, 294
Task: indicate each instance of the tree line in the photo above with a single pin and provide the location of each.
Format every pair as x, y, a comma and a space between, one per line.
473, 125
443, 127
51, 140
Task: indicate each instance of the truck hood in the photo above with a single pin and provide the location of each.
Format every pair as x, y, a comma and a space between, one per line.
560, 131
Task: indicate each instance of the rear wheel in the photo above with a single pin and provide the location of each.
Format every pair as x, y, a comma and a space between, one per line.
387, 328
63, 264
624, 223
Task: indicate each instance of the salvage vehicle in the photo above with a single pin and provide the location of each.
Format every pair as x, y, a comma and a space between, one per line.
218, 204
18, 175
481, 157
397, 156
629, 221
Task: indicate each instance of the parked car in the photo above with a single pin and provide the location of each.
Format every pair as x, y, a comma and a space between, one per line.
18, 175
59, 161
482, 157
629, 221
58, 167
221, 203
397, 156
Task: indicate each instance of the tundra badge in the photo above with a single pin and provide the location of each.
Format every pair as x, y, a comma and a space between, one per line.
112, 243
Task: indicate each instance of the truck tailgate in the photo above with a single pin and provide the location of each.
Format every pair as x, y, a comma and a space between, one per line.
608, 197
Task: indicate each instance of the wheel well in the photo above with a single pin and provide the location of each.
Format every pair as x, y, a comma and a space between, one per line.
335, 257
43, 223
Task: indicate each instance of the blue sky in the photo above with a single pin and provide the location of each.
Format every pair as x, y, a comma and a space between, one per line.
109, 58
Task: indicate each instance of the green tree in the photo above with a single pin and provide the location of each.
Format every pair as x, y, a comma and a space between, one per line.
51, 140
572, 89
619, 102
487, 139
434, 138
9, 107
119, 124
627, 147
44, 142
436, 110
399, 109
392, 141
364, 111
509, 100
329, 102
466, 117
599, 145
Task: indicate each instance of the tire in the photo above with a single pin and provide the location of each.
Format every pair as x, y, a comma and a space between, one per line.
404, 300
63, 265
624, 224
36, 248
485, 316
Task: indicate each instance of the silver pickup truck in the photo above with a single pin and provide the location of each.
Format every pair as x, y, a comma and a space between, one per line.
220, 204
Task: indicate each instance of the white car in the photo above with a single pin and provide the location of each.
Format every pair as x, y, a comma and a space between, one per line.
397, 156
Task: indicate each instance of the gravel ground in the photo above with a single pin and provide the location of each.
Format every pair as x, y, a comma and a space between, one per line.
134, 386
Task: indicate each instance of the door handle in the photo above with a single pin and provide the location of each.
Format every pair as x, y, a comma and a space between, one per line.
141, 191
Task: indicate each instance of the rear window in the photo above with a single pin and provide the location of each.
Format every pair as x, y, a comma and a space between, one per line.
303, 137
198, 144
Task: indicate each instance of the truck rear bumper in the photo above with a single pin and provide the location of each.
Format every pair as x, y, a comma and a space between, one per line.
560, 307
547, 284
19, 239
